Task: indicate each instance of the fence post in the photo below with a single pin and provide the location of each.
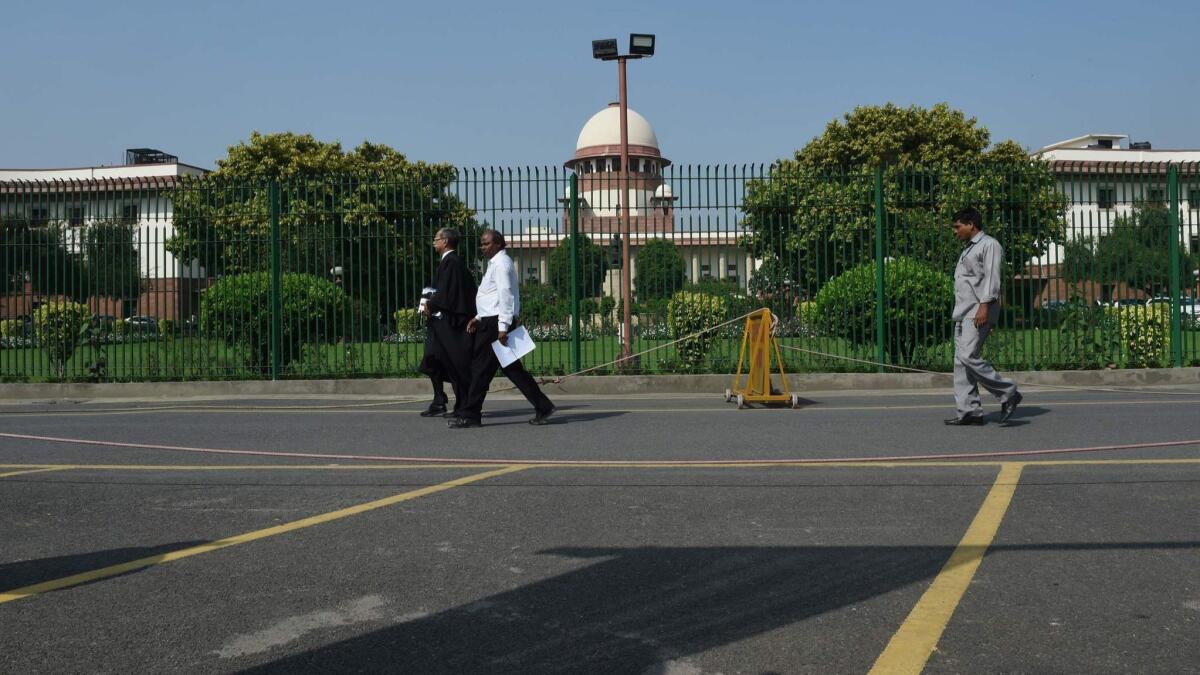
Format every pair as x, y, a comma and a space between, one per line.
1173, 248
276, 300
880, 325
575, 318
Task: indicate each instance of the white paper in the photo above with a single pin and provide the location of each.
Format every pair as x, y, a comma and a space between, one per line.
519, 344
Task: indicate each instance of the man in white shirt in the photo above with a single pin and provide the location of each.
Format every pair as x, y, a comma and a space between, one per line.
497, 304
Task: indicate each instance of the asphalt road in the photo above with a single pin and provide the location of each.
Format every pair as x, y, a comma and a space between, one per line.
149, 559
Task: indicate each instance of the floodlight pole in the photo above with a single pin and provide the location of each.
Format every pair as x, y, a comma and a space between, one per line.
626, 275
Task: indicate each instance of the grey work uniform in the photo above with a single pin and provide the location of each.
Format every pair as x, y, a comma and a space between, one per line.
976, 281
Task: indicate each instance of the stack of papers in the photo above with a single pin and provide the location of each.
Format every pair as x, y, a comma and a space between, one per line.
519, 344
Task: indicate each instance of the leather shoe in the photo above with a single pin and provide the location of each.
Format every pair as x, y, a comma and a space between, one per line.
1007, 408
540, 419
433, 410
966, 421
463, 423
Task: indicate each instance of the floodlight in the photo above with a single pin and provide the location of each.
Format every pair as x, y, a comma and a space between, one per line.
641, 44
604, 49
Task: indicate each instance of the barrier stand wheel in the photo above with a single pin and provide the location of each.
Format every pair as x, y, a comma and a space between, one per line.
795, 401
741, 401
728, 394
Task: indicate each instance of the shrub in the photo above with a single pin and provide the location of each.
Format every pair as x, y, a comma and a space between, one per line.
166, 328
918, 302
690, 312
1143, 332
12, 328
543, 305
59, 327
659, 270
1087, 334
237, 310
409, 321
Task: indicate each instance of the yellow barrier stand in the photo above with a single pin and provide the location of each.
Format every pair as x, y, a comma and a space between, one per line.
758, 344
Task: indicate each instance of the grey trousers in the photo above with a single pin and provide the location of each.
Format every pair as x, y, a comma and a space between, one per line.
970, 370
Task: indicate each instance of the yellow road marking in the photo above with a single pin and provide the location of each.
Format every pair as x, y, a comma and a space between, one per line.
44, 468
85, 577
911, 646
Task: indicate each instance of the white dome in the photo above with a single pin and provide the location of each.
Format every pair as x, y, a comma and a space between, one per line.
663, 192
604, 128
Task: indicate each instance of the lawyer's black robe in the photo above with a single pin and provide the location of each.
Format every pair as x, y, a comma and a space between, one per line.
454, 297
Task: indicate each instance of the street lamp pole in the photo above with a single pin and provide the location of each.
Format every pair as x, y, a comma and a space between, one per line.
626, 275
641, 45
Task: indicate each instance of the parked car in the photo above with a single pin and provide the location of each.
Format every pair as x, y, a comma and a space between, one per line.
1189, 309
142, 324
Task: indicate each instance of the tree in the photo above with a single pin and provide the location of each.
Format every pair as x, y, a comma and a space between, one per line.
593, 265
815, 213
1135, 251
41, 255
660, 270
112, 259
369, 211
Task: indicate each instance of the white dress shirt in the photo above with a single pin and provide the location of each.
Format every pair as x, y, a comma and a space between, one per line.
498, 295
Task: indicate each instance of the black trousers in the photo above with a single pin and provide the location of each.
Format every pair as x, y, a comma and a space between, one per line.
452, 350
483, 368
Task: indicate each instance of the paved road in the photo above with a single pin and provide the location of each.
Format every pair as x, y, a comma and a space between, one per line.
136, 559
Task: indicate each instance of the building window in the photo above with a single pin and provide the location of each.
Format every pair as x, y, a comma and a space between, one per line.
129, 213
1155, 196
1194, 199
706, 271
1194, 245
531, 274
1106, 197
38, 215
75, 216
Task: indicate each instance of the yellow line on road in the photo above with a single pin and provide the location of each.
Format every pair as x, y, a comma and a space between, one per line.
911, 646
43, 469
114, 570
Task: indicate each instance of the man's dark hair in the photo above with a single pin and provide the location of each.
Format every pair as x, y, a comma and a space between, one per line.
451, 235
497, 238
969, 216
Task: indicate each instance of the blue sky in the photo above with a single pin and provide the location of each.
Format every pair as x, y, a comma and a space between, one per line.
488, 83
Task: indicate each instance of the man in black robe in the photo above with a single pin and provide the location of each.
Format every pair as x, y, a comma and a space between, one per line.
449, 308
431, 364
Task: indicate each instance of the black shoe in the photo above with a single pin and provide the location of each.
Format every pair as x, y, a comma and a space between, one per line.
463, 423
1007, 408
540, 419
434, 410
966, 421
450, 415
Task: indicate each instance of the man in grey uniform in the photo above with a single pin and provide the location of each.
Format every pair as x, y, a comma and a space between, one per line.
976, 310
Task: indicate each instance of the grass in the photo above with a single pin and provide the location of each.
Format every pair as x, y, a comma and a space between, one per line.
195, 358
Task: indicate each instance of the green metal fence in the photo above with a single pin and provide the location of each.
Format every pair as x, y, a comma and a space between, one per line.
220, 278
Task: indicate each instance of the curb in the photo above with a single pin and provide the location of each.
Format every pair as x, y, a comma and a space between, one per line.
602, 385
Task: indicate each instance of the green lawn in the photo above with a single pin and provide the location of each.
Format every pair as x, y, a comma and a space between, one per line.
194, 358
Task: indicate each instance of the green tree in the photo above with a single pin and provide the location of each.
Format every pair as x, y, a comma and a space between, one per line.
112, 259
1136, 250
593, 266
815, 212
369, 211
41, 255
660, 270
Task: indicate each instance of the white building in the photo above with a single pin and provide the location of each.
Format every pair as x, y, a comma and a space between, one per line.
1104, 177
136, 192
